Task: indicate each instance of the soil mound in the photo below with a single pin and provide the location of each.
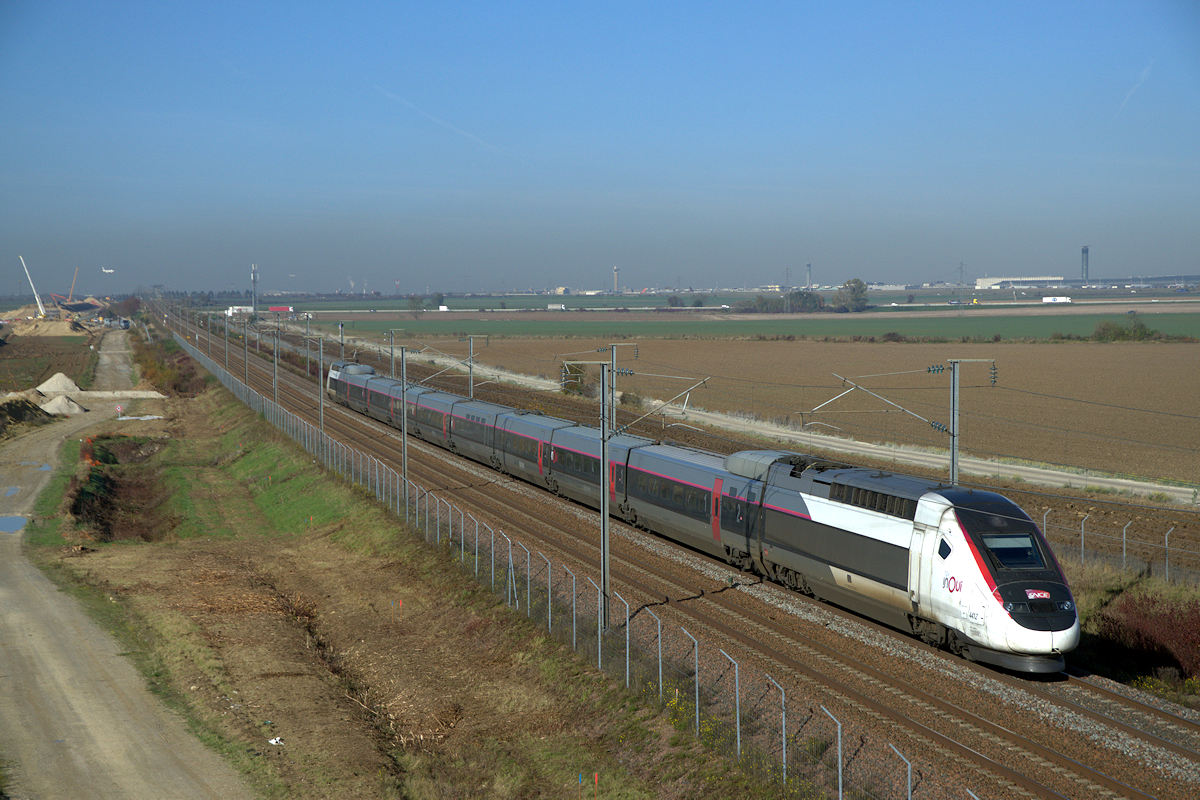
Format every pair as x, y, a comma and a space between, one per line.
32, 395
62, 406
13, 412
58, 383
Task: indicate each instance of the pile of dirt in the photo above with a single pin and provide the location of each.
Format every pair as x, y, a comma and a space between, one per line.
47, 327
62, 406
32, 395
57, 384
19, 410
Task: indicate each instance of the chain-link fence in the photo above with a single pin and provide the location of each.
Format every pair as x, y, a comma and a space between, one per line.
1128, 548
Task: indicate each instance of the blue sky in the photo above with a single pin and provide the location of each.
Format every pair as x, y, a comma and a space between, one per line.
480, 146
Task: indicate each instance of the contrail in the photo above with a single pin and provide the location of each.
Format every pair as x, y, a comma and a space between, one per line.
437, 121
1141, 79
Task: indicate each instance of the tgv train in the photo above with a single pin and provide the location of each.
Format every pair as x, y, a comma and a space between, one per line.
966, 570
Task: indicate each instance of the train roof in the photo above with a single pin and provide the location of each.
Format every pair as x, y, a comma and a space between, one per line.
683, 455
906, 486
352, 368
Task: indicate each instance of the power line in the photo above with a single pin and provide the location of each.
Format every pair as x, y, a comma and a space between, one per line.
1098, 403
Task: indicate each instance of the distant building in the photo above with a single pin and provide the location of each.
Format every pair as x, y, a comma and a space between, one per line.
1018, 282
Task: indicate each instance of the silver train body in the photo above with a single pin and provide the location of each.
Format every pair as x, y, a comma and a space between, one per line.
966, 570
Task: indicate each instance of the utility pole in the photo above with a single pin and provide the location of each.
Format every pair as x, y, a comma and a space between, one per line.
246, 351
275, 370
342, 339
605, 432
471, 337
320, 387
392, 336
225, 325
612, 377
404, 425
954, 406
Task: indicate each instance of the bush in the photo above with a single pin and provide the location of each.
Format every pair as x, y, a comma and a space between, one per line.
1160, 628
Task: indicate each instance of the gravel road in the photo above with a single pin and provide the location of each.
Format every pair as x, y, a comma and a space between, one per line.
76, 719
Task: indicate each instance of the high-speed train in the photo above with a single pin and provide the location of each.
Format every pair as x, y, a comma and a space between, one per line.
966, 570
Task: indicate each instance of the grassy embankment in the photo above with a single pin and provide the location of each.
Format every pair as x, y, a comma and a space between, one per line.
270, 497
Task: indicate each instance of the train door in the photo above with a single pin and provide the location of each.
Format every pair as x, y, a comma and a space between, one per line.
946, 578
716, 509
920, 567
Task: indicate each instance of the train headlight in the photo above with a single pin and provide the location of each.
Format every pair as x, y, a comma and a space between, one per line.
1066, 605
1009, 607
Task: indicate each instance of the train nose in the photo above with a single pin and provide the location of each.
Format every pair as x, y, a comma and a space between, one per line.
1064, 641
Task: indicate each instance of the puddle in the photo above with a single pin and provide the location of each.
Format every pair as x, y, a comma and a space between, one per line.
44, 468
11, 524
10, 491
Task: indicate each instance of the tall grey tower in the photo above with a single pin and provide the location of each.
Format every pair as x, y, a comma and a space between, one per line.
808, 281
254, 288
1085, 264
616, 273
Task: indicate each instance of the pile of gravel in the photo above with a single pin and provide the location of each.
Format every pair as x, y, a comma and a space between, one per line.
62, 406
59, 383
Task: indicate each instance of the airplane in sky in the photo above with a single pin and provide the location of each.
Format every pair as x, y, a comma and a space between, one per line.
107, 271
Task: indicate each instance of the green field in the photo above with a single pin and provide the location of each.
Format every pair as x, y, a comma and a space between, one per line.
839, 326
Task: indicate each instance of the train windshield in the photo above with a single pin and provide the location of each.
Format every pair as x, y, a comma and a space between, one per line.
1015, 552
1005, 530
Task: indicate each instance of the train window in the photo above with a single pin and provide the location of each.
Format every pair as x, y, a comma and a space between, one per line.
944, 548
1015, 552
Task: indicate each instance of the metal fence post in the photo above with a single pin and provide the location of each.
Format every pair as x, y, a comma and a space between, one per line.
783, 725
599, 625
549, 599
737, 702
837, 722
573, 593
1081, 524
508, 577
1167, 555
659, 621
623, 600
696, 672
528, 582
462, 537
1124, 543
909, 763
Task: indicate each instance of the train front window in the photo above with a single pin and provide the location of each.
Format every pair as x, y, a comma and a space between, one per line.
1015, 552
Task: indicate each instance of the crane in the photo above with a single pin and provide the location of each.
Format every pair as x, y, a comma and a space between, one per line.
41, 308
71, 293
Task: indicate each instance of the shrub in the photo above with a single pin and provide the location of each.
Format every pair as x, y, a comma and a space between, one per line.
1157, 627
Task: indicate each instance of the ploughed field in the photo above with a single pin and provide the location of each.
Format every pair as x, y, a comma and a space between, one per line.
1119, 408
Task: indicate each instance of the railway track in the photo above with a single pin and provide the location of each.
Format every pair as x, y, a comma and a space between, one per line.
975, 741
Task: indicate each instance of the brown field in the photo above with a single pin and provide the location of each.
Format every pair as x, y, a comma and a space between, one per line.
26, 361
1123, 408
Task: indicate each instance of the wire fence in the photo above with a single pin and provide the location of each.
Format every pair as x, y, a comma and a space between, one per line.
744, 714
1125, 548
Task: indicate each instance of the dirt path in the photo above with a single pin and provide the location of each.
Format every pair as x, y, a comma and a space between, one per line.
115, 368
76, 719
